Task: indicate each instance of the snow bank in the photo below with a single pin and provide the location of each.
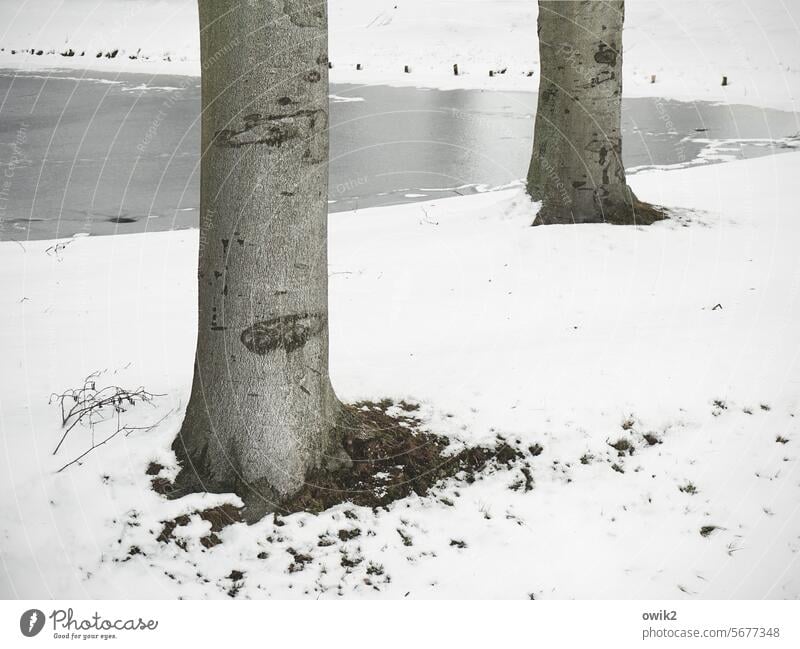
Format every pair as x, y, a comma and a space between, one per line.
688, 46
683, 334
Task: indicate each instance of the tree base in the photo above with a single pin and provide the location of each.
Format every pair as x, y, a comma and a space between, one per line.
640, 213
259, 497
384, 456
621, 213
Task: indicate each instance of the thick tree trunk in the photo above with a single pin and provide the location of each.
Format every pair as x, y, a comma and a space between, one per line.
262, 409
576, 168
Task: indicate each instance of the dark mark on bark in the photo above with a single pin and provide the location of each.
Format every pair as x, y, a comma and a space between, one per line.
304, 13
312, 76
272, 130
314, 369
284, 101
605, 55
288, 332
603, 77
549, 94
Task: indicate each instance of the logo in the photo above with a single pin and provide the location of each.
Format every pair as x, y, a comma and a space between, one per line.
31, 622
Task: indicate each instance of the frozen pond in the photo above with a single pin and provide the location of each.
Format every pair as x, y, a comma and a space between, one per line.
107, 153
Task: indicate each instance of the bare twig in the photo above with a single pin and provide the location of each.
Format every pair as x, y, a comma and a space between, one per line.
57, 248
120, 429
94, 446
132, 429
89, 406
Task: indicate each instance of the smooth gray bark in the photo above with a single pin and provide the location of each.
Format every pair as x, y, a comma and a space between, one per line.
576, 168
262, 409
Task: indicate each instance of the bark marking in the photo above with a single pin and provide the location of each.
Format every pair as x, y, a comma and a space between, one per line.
605, 55
271, 130
289, 332
304, 13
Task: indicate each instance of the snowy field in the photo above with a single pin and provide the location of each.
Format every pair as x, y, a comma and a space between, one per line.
688, 45
683, 333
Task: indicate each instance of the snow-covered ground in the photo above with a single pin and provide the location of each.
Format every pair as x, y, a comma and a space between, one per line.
569, 337
688, 45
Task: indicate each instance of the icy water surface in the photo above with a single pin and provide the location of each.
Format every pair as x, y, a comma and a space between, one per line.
88, 152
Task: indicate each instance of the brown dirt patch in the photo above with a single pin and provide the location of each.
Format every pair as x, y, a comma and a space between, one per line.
219, 517
640, 213
622, 446
392, 458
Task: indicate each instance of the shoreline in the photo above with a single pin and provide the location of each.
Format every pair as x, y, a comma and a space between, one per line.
514, 80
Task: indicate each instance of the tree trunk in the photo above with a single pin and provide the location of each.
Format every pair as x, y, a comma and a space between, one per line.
262, 410
576, 168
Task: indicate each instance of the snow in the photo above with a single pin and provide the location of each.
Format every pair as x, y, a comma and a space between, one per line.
688, 46
558, 335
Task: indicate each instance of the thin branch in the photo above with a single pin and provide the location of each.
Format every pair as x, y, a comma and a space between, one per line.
85, 453
90, 406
